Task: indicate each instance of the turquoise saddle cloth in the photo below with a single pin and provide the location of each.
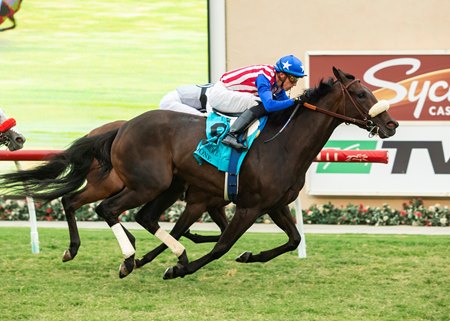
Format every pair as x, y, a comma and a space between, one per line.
211, 149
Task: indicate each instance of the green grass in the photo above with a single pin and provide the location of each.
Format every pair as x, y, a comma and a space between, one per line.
71, 66
345, 277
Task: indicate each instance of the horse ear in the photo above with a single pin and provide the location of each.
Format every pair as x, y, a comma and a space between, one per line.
338, 74
342, 76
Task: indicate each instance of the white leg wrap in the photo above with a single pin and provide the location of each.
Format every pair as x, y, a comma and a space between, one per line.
125, 244
176, 247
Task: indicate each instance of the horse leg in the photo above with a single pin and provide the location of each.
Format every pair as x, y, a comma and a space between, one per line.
282, 217
149, 214
219, 217
242, 220
75, 242
94, 190
191, 214
111, 208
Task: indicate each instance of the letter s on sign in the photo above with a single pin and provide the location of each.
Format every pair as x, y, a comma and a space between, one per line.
401, 92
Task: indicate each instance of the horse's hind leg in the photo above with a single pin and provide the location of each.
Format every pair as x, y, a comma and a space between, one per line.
219, 217
95, 190
282, 217
149, 214
110, 210
75, 242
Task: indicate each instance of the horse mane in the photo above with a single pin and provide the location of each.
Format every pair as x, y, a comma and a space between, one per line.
312, 95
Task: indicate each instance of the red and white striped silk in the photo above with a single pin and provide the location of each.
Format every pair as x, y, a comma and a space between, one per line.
244, 79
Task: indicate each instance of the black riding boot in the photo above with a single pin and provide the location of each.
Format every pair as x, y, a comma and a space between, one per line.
242, 123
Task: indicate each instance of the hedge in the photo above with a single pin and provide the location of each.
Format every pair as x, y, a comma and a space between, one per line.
412, 213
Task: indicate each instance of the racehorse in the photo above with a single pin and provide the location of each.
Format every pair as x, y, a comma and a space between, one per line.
8, 9
98, 188
151, 150
11, 137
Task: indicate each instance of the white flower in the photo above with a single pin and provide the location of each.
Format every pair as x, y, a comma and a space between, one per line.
443, 220
385, 218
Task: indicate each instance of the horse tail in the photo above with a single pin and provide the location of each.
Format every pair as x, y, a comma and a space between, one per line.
65, 172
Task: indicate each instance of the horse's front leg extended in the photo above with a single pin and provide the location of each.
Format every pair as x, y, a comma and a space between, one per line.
190, 215
240, 223
146, 219
282, 217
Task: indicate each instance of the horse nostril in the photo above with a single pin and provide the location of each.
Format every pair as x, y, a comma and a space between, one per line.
392, 124
20, 140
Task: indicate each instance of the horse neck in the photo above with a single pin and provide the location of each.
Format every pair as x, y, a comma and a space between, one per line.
310, 131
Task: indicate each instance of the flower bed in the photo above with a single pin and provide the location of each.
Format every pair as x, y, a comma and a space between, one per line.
413, 213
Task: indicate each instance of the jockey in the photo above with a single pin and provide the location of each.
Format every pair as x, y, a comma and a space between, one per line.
255, 91
189, 99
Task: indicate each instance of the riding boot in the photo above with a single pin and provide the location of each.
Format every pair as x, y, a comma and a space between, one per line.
239, 126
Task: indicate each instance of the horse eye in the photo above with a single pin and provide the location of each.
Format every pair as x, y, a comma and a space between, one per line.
361, 95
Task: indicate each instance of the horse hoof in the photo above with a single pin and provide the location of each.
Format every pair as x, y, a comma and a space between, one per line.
174, 272
127, 267
243, 258
169, 274
67, 256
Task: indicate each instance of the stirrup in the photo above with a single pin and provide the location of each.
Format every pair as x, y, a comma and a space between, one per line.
232, 142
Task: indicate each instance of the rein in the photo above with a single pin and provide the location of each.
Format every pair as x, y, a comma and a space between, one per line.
365, 122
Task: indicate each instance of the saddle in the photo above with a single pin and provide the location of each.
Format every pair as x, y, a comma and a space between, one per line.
225, 158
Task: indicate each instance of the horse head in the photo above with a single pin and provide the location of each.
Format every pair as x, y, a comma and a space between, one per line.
12, 138
360, 104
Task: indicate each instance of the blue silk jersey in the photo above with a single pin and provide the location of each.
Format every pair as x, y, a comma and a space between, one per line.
266, 93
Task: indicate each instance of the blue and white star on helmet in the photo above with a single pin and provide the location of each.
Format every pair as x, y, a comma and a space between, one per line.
290, 65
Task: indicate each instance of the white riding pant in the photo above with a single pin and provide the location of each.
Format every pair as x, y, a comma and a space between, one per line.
172, 101
225, 100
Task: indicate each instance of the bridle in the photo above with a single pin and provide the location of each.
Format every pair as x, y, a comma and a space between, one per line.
365, 122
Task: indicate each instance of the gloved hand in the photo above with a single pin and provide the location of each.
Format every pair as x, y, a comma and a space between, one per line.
297, 100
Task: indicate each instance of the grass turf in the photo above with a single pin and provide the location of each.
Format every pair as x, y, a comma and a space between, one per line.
345, 277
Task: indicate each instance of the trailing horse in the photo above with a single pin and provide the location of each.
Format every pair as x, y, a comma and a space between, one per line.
152, 150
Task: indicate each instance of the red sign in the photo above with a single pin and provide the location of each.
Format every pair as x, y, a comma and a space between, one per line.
416, 85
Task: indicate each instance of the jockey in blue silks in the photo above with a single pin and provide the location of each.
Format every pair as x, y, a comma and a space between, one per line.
255, 91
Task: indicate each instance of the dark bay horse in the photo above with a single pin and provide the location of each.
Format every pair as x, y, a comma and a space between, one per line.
152, 150
99, 187
8, 9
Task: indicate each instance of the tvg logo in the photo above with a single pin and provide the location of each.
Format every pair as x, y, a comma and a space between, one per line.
347, 168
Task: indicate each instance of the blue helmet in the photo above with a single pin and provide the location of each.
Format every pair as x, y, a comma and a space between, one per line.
290, 65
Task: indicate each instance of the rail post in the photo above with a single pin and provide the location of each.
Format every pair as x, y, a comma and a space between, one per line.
33, 220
